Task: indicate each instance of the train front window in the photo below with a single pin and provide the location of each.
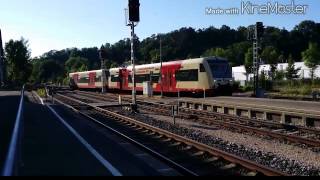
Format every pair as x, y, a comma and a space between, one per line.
220, 69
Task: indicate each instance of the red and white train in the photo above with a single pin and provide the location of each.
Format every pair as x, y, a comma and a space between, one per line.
195, 76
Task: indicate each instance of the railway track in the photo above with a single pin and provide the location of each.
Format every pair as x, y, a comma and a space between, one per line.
195, 157
292, 134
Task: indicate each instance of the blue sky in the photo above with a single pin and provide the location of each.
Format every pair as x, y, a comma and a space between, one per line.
59, 24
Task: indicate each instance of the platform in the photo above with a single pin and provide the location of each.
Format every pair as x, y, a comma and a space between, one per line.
9, 103
302, 113
58, 142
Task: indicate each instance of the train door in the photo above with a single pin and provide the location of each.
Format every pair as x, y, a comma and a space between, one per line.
123, 79
165, 79
92, 80
172, 80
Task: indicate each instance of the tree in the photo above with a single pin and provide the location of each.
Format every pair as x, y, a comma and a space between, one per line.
249, 63
76, 64
291, 71
193, 43
218, 52
50, 71
18, 63
281, 59
237, 53
270, 56
311, 57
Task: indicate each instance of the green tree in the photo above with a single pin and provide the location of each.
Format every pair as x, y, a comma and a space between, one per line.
291, 71
18, 63
218, 52
311, 57
76, 64
237, 53
270, 56
51, 71
281, 59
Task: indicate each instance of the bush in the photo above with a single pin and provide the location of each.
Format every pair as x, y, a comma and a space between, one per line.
247, 88
42, 93
296, 87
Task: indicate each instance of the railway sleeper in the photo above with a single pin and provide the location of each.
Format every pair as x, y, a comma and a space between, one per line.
175, 144
187, 148
198, 154
252, 174
158, 137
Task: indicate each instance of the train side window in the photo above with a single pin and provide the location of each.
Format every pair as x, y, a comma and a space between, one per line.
84, 80
142, 78
98, 79
114, 78
130, 79
187, 75
202, 69
156, 78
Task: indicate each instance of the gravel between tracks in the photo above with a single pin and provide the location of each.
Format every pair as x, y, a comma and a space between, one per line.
289, 159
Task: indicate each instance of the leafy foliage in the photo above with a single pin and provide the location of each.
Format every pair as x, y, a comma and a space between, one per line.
184, 43
18, 63
311, 57
292, 71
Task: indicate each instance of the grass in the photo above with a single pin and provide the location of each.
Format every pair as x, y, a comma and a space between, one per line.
297, 88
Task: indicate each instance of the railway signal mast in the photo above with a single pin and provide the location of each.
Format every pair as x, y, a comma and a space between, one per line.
134, 18
161, 64
255, 35
103, 57
2, 68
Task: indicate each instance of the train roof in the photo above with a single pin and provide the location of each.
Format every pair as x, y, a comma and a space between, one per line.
86, 72
185, 62
157, 65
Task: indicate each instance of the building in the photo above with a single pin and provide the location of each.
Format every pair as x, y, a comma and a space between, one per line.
239, 73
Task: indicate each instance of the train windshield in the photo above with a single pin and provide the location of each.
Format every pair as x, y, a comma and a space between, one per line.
220, 69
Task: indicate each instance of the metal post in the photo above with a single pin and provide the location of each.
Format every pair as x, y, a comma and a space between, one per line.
256, 65
104, 90
134, 94
52, 98
204, 98
1, 62
161, 67
173, 111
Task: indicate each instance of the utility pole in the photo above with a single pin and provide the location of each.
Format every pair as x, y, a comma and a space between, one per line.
2, 68
134, 91
103, 57
134, 18
161, 66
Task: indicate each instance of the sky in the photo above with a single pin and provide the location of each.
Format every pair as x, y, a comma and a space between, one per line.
59, 24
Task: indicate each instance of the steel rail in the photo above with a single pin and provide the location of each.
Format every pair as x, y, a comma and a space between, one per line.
243, 119
10, 166
171, 163
253, 166
209, 118
234, 124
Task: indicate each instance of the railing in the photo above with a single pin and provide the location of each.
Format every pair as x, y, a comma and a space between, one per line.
13, 156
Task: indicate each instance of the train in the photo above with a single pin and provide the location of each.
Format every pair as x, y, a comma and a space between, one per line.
212, 75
